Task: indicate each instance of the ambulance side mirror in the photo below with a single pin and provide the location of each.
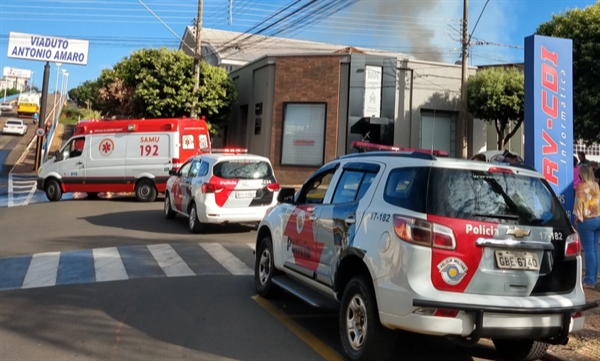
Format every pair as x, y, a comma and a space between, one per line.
57, 155
286, 195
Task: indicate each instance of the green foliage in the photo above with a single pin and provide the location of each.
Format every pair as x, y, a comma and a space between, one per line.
9, 92
497, 95
153, 83
583, 27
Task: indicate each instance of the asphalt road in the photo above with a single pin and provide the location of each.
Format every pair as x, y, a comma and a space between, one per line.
174, 295
12, 146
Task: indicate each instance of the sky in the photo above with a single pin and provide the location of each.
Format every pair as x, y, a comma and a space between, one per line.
425, 29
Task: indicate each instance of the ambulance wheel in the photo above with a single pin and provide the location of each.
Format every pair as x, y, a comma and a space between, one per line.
53, 190
169, 212
362, 334
145, 191
264, 270
193, 222
520, 350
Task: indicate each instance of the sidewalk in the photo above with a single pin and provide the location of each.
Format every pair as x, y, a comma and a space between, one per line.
26, 164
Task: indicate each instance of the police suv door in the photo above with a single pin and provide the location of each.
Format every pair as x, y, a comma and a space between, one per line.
341, 217
302, 251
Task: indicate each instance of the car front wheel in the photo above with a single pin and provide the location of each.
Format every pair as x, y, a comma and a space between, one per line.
169, 212
264, 270
362, 335
521, 350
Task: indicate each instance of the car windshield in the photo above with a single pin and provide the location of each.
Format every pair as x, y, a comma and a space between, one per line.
243, 169
14, 122
494, 196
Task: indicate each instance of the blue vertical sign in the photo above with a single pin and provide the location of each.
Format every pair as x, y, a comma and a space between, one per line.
549, 112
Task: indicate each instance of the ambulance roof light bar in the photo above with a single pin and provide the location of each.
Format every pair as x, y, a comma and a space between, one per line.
224, 150
365, 147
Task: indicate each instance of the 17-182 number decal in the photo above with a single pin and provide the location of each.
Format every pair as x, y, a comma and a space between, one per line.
149, 150
382, 217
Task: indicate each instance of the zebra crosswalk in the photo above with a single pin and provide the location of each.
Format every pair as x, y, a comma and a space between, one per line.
21, 188
125, 262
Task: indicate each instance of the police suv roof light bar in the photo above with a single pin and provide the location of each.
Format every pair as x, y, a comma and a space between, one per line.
365, 147
224, 150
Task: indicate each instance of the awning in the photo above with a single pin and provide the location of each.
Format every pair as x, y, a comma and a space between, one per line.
361, 126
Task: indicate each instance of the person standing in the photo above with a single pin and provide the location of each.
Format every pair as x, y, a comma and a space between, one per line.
587, 221
582, 159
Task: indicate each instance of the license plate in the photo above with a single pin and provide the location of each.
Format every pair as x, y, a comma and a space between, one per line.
245, 194
517, 260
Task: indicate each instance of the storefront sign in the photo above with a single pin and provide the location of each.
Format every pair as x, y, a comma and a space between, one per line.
549, 112
303, 140
372, 101
48, 48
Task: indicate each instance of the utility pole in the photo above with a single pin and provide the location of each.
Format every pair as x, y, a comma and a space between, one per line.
463, 87
197, 59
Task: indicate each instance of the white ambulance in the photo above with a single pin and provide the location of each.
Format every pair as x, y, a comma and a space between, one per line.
122, 156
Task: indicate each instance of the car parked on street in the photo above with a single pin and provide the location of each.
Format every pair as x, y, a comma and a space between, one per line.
410, 240
14, 126
221, 186
5, 107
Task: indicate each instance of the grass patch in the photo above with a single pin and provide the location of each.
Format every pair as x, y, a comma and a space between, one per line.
70, 116
68, 120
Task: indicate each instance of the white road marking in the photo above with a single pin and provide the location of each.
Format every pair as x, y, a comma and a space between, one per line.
42, 270
20, 189
169, 261
252, 245
108, 265
226, 259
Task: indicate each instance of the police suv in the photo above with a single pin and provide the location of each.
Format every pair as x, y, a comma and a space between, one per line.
221, 186
410, 240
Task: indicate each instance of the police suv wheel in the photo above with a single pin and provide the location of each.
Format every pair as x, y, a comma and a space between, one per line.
362, 335
521, 350
264, 270
53, 190
145, 191
169, 212
193, 222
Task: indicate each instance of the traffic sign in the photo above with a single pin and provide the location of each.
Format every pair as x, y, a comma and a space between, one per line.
40, 132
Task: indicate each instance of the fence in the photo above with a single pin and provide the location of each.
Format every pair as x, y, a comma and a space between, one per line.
57, 109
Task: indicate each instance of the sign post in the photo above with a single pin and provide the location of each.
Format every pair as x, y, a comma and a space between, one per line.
549, 113
47, 49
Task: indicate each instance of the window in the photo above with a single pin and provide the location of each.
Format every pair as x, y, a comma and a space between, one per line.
73, 149
243, 169
352, 186
203, 169
495, 197
185, 169
314, 191
303, 139
407, 188
438, 130
195, 169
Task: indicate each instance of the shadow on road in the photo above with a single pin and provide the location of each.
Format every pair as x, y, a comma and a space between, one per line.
154, 221
166, 318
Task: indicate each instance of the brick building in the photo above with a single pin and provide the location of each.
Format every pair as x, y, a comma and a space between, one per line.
303, 110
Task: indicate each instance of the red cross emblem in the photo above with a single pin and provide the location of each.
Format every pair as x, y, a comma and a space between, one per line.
106, 147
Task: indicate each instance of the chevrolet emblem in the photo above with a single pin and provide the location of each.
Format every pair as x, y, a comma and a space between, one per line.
518, 232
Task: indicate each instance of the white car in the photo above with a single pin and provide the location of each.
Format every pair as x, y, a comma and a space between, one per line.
5, 106
437, 246
220, 187
14, 126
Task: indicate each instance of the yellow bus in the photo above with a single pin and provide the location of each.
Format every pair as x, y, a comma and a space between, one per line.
28, 104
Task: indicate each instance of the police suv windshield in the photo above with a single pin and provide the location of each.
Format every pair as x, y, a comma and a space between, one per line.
243, 169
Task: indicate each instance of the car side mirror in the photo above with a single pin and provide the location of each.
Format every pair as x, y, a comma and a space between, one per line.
286, 195
173, 172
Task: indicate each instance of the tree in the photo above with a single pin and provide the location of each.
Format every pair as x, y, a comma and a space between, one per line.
85, 94
154, 83
497, 95
583, 27
10, 91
